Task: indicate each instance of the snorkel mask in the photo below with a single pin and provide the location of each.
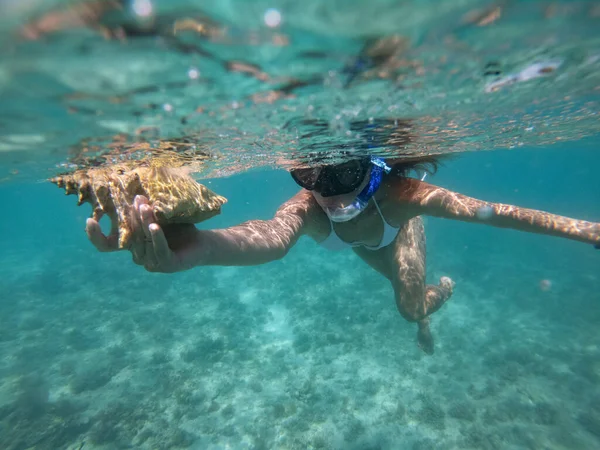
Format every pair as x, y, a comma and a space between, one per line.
329, 181
349, 212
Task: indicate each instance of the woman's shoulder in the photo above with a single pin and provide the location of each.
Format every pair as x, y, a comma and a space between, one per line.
395, 189
395, 198
304, 206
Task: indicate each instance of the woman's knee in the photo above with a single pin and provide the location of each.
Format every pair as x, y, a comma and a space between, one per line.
410, 314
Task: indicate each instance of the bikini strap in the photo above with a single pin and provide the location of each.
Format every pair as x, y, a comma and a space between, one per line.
379, 210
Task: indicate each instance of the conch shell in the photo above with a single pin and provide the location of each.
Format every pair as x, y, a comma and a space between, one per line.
174, 195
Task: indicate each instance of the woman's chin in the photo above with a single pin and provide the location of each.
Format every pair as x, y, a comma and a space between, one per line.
336, 201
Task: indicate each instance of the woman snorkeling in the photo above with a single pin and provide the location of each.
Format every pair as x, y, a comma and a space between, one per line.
365, 203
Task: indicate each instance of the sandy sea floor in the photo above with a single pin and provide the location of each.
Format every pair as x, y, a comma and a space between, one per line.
307, 352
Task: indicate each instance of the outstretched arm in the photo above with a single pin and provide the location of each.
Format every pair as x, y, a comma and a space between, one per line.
427, 199
260, 241
180, 247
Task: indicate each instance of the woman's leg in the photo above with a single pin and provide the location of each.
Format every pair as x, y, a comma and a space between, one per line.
403, 263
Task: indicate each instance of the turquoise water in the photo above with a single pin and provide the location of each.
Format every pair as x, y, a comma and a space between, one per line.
308, 352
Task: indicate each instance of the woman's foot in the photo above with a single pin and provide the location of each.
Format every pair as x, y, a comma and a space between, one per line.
424, 337
447, 285
438, 296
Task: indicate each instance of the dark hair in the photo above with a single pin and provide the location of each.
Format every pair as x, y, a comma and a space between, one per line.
374, 134
427, 163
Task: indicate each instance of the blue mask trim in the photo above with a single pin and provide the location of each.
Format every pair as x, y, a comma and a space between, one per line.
379, 167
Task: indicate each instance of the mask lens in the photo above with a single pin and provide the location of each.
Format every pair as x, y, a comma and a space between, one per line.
343, 178
306, 178
350, 174
333, 180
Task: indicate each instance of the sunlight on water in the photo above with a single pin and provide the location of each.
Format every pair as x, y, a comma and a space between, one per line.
243, 80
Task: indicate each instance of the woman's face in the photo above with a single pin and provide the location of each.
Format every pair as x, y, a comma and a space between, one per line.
342, 200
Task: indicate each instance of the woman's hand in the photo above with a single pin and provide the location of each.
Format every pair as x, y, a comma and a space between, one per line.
175, 248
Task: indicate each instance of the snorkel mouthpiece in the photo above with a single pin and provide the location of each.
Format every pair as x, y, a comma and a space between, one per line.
346, 213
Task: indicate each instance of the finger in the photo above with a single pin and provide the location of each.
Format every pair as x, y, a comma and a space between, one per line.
147, 217
138, 201
136, 213
161, 247
151, 262
138, 251
98, 239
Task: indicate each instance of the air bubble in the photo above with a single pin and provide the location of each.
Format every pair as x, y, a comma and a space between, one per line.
272, 18
142, 8
545, 285
484, 212
338, 126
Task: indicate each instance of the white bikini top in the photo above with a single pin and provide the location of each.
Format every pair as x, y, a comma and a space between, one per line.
335, 243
